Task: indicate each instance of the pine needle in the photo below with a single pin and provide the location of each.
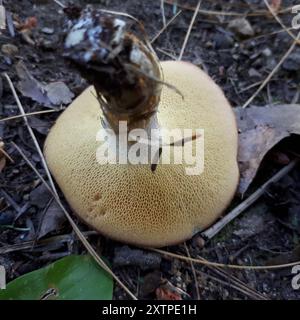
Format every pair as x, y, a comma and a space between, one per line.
189, 30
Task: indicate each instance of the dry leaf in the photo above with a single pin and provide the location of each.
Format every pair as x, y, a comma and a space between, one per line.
261, 128
40, 196
52, 220
275, 5
29, 24
39, 125
58, 93
49, 95
167, 291
165, 294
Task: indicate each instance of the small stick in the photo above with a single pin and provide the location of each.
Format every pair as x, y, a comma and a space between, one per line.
204, 262
60, 4
221, 272
268, 34
273, 71
233, 286
162, 8
217, 227
30, 131
5, 153
28, 114
27, 245
189, 30
280, 21
10, 200
165, 27
170, 55
193, 271
224, 13
2, 16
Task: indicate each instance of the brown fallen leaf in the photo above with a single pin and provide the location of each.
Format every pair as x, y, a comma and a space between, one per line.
275, 5
25, 29
29, 24
167, 291
261, 128
164, 294
49, 95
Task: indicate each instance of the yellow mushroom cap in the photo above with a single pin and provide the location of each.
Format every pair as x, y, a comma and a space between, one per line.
130, 203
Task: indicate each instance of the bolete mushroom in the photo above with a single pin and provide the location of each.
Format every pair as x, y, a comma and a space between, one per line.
130, 202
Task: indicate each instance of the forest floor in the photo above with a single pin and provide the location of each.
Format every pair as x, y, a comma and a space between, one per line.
238, 60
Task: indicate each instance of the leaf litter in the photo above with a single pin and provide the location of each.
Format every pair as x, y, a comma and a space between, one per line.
50, 95
253, 129
260, 129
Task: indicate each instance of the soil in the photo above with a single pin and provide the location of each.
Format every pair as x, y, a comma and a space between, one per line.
238, 63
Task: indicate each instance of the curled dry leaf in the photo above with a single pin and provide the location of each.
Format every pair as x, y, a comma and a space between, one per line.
25, 29
261, 128
29, 24
49, 95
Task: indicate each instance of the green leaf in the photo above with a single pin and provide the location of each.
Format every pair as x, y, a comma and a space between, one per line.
70, 278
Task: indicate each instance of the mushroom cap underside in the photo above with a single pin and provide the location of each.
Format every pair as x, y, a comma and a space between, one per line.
130, 203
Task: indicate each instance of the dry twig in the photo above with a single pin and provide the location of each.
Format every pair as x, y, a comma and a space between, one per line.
228, 14
193, 271
60, 4
217, 227
28, 115
162, 8
286, 29
232, 285
165, 27
204, 262
13, 90
189, 30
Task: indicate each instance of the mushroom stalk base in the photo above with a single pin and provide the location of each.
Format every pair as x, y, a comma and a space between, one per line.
122, 67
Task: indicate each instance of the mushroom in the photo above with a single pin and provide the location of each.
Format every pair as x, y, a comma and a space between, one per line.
130, 202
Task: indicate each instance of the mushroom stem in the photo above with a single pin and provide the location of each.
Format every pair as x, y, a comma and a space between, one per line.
123, 68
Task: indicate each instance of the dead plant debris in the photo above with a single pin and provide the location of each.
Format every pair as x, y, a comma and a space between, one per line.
33, 231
